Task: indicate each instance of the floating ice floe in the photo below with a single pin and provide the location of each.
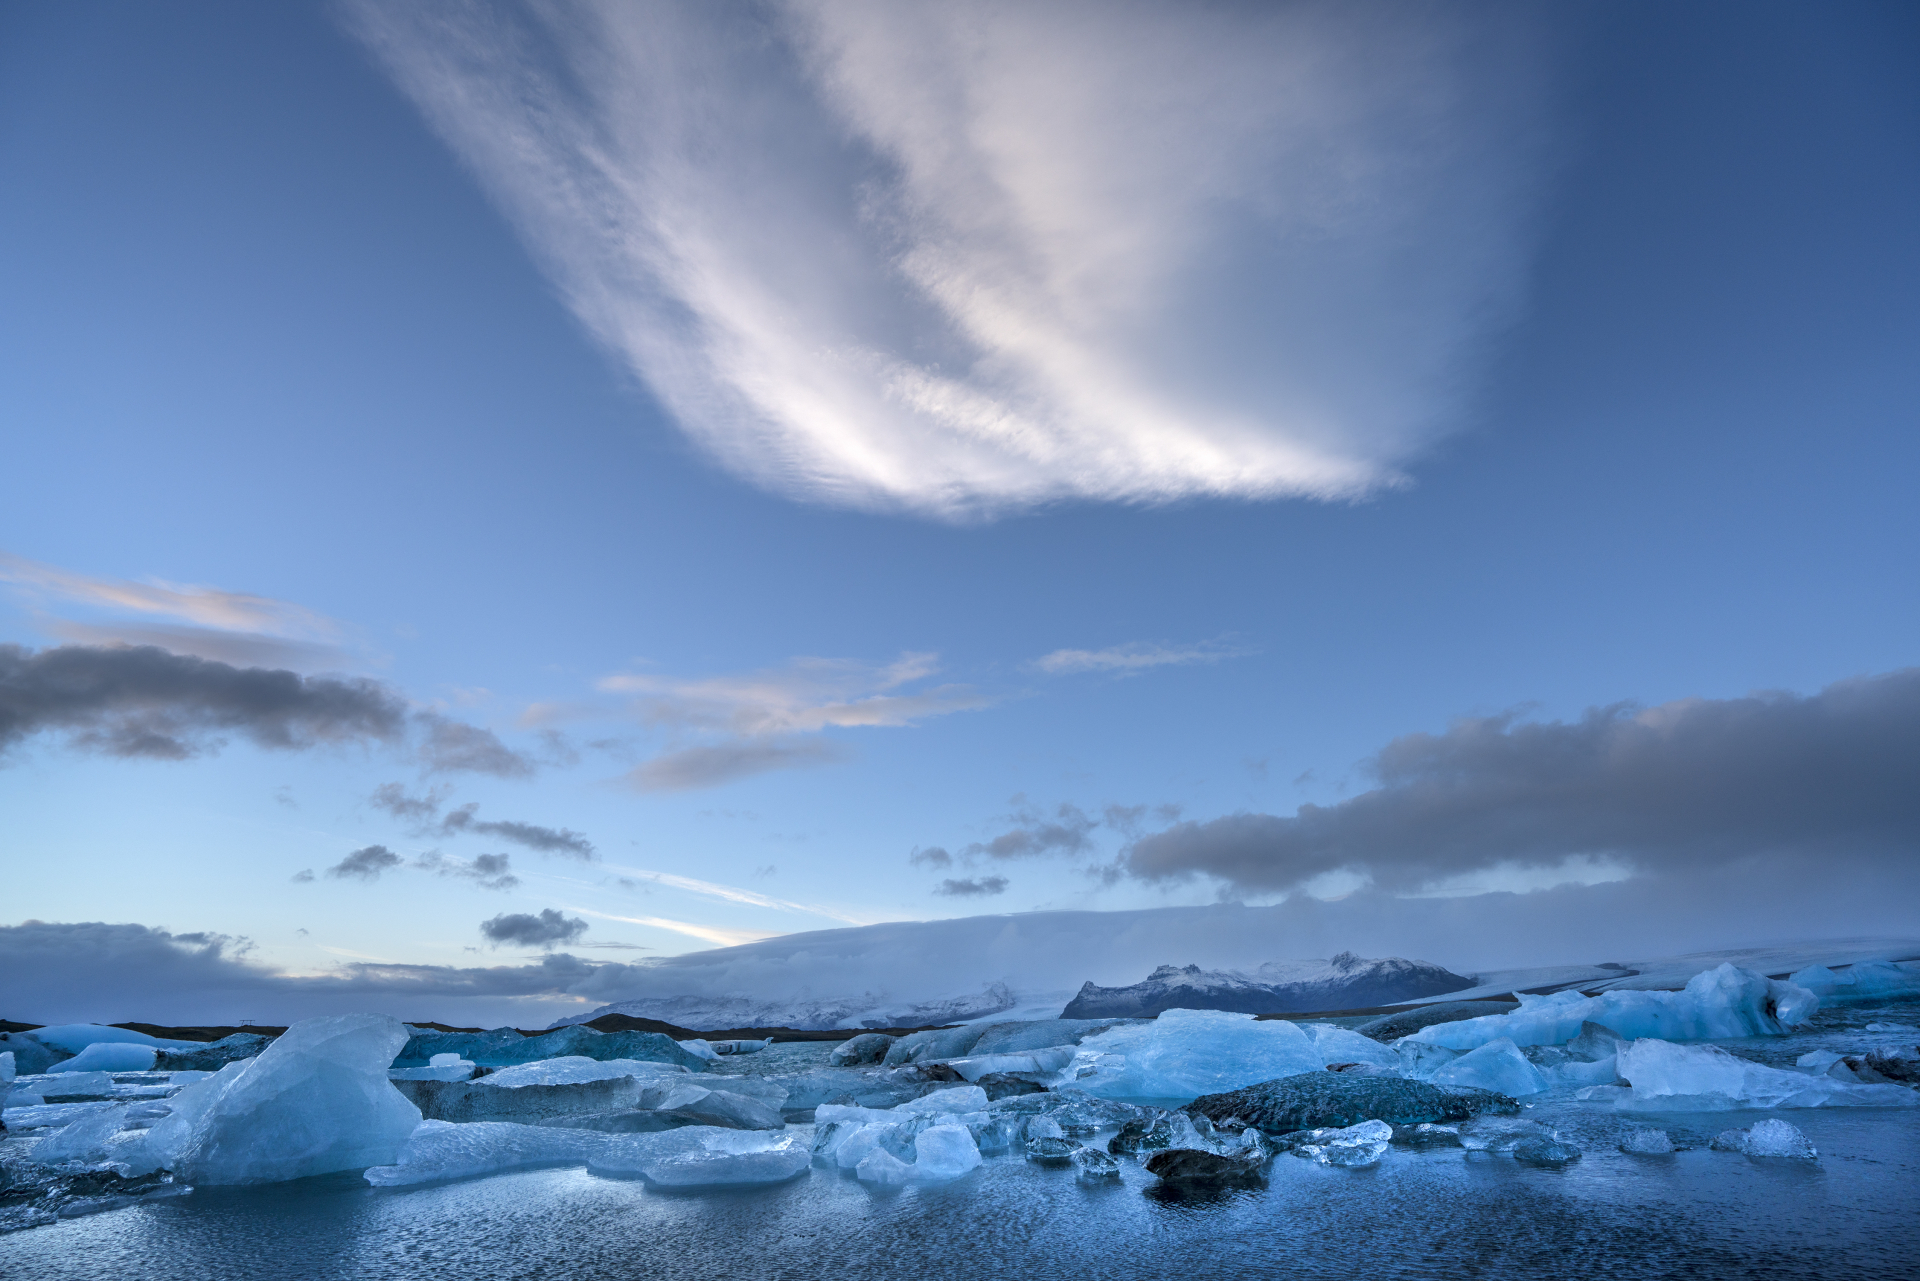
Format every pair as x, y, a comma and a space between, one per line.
1187, 1053
703, 1156
440, 1150
1669, 1077
315, 1101
1724, 1002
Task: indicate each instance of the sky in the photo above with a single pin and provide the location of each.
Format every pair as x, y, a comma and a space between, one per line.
529, 490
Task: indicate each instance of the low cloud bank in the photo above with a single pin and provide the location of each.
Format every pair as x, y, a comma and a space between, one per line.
1828, 778
110, 973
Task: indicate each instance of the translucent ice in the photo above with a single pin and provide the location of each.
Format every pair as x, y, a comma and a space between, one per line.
1032, 1062
45, 1116
7, 1070
702, 1156
1774, 1137
943, 1152
1725, 1002
75, 1037
438, 1150
1702, 1077
575, 1067
315, 1101
699, 1046
1351, 1147
1187, 1053
1498, 1066
109, 1056
1868, 981
1338, 1045
884, 1168
82, 1142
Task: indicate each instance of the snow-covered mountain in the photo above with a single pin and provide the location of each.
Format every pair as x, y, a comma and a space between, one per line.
716, 1013
1342, 982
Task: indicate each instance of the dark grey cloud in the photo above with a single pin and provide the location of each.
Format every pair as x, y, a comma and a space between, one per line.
1066, 832
972, 887
1689, 784
456, 747
141, 701
931, 856
697, 767
488, 871
545, 840
395, 800
548, 929
365, 864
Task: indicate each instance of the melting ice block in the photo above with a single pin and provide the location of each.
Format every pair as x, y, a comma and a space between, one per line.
315, 1101
1725, 1002
1498, 1066
1187, 1053
440, 1150
1671, 1077
705, 1156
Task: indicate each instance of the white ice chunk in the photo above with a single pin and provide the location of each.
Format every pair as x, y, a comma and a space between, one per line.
944, 1152
705, 1156
576, 1067
83, 1141
109, 1056
1498, 1066
43, 1116
1187, 1053
55, 1082
75, 1037
315, 1101
1818, 1060
883, 1167
1032, 1062
460, 1070
700, 1047
1867, 981
447, 1060
856, 1146
961, 1098
7, 1070
1670, 1077
1725, 1002
439, 1150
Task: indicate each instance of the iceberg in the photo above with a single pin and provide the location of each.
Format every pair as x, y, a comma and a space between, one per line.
1497, 1066
1338, 1045
75, 1037
1724, 1002
441, 1150
315, 1101
1673, 1077
1187, 1053
1867, 981
704, 1156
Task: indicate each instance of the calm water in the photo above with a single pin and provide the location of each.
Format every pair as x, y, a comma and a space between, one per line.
1439, 1214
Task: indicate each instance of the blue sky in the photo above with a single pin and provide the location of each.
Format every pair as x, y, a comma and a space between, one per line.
1596, 386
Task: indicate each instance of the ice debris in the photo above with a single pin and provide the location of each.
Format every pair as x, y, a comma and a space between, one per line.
1644, 1140
1723, 1002
1666, 1076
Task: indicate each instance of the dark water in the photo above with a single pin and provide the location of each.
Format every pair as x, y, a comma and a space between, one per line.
1855, 1214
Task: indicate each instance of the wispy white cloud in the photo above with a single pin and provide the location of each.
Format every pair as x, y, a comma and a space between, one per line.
209, 622
717, 935
768, 720
1134, 657
735, 894
959, 258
